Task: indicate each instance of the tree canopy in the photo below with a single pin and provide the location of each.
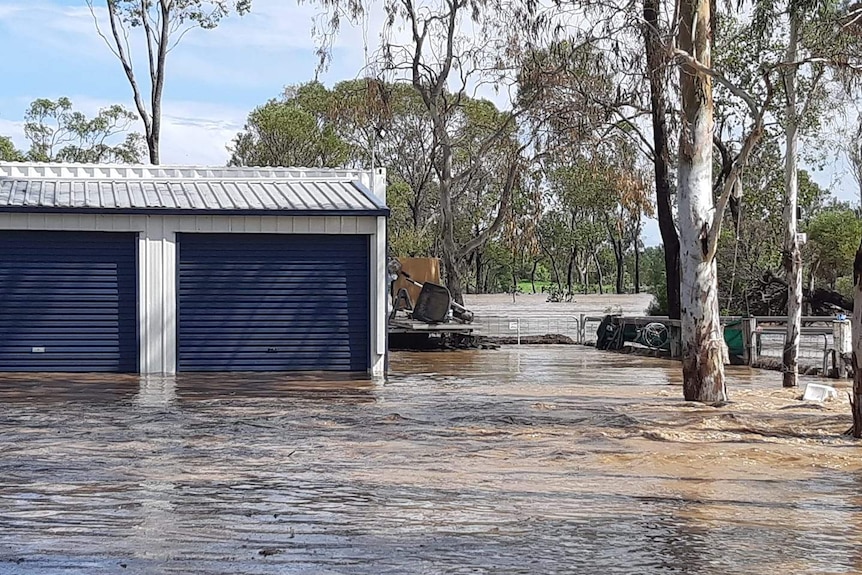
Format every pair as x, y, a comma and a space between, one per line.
58, 133
8, 151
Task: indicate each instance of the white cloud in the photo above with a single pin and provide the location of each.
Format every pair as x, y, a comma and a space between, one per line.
191, 142
272, 24
651, 234
197, 133
247, 51
15, 131
10, 10
67, 29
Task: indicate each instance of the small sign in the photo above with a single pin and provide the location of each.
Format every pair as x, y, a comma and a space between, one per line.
513, 325
37, 350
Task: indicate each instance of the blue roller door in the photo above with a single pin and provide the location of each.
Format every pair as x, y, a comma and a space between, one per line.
68, 302
273, 302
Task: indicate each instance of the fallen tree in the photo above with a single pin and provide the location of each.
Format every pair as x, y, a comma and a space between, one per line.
768, 296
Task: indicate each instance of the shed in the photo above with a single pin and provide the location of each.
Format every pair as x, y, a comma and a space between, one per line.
156, 269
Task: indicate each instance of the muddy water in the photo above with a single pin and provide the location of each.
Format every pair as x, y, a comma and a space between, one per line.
537, 304
531, 460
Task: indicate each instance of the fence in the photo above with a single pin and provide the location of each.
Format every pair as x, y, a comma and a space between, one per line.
767, 335
812, 347
528, 325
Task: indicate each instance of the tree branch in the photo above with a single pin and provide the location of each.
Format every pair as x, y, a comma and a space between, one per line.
127, 67
505, 200
148, 33
686, 58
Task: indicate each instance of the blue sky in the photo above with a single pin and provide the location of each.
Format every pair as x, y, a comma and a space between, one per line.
214, 77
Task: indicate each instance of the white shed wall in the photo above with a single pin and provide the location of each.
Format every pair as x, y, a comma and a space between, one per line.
157, 266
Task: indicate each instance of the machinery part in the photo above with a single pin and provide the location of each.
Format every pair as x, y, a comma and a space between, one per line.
433, 304
654, 334
458, 310
402, 302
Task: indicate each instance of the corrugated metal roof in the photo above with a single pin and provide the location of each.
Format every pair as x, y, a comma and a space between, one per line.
67, 187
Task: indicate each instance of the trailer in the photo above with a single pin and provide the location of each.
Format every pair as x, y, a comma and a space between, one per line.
423, 313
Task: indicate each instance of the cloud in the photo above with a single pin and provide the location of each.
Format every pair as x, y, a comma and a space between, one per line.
198, 133
15, 131
8, 10
67, 31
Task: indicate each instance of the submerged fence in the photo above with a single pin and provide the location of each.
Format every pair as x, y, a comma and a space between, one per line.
765, 342
529, 325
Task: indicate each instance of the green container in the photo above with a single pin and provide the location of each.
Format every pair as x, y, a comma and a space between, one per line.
733, 338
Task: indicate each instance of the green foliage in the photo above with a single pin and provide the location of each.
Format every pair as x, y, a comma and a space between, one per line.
8, 151
524, 286
57, 133
844, 286
406, 239
293, 131
204, 13
653, 275
746, 252
313, 125
834, 236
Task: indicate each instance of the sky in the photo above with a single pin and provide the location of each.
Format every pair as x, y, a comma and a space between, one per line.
214, 77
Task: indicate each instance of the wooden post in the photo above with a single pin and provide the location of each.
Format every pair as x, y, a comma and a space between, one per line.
675, 333
582, 329
842, 342
749, 340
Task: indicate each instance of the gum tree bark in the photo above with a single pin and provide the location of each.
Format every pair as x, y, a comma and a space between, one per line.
702, 339
792, 253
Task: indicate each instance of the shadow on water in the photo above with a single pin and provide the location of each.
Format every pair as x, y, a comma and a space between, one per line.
518, 460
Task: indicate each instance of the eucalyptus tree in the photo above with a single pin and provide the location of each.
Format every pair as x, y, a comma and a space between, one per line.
656, 35
853, 153
446, 50
387, 124
833, 236
163, 24
58, 133
554, 237
816, 51
700, 213
296, 130
581, 188
587, 125
699, 217
8, 151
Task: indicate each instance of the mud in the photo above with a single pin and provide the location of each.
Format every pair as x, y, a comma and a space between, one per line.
538, 459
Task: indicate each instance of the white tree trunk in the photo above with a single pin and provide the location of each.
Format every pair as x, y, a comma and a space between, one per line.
792, 256
702, 338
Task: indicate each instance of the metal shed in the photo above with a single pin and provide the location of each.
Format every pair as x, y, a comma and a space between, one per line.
163, 269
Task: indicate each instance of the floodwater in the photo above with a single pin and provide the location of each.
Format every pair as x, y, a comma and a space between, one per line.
526, 460
537, 304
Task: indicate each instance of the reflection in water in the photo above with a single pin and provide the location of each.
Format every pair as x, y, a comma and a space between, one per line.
156, 391
519, 460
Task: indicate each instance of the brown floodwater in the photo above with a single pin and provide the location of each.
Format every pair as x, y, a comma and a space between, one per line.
539, 459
